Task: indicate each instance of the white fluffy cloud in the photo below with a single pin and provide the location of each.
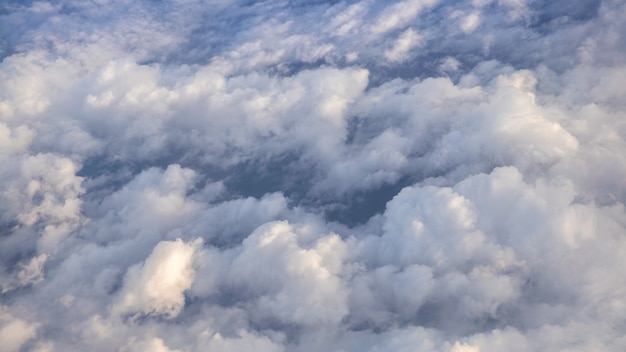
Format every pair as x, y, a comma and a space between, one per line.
14, 332
157, 286
302, 176
408, 40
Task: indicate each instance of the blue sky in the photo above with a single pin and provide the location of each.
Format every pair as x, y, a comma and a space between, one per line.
229, 175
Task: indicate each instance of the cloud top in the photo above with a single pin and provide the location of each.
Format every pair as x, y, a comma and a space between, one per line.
312, 176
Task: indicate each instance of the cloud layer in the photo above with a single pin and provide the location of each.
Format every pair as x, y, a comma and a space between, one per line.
418, 175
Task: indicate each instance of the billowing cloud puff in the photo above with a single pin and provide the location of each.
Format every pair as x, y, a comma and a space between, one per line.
154, 344
157, 286
312, 176
14, 332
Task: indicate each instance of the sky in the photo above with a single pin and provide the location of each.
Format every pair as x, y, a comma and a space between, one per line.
298, 176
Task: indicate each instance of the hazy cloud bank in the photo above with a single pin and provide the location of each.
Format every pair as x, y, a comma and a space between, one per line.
303, 176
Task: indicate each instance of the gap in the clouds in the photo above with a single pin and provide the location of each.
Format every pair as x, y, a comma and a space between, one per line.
417, 69
443, 315
257, 178
426, 66
22, 239
11, 26
290, 176
7, 226
438, 314
105, 175
361, 206
215, 33
289, 69
113, 174
547, 11
229, 297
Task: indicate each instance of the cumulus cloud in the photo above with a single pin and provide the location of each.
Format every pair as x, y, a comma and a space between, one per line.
157, 286
301, 176
15, 332
154, 344
399, 14
402, 46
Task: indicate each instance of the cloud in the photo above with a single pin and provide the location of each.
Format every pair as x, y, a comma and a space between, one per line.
399, 14
14, 332
244, 342
470, 22
32, 272
305, 176
154, 344
402, 46
157, 286
296, 284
